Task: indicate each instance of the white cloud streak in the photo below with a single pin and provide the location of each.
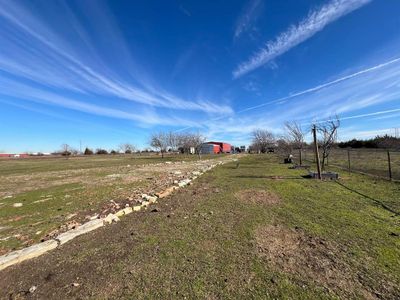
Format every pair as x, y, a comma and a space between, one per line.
53, 62
16, 90
349, 96
316, 21
350, 133
248, 16
322, 86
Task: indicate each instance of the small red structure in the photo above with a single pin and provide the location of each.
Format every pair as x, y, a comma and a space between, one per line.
220, 147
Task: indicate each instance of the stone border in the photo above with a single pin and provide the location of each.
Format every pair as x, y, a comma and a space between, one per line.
36, 250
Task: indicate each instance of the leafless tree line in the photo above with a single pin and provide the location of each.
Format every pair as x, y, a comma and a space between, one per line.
262, 140
67, 150
173, 141
160, 141
293, 138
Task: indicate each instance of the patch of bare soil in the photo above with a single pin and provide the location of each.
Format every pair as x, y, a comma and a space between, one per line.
313, 258
255, 196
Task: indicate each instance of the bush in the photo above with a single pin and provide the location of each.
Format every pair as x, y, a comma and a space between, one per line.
386, 141
101, 151
88, 151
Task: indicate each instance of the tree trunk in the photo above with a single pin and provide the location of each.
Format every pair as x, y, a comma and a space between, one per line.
323, 161
301, 161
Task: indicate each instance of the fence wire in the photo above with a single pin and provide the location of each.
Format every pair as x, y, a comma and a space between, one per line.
376, 162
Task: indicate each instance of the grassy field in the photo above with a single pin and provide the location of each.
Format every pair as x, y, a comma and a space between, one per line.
47, 164
56, 192
257, 231
370, 161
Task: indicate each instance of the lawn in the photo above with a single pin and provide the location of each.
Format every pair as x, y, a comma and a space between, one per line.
51, 193
370, 161
253, 230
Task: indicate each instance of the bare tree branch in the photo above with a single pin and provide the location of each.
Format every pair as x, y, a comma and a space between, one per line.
159, 141
328, 137
262, 140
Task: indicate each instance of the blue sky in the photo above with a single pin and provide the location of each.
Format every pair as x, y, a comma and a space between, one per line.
107, 72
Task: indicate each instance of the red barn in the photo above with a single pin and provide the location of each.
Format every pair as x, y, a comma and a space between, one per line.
220, 147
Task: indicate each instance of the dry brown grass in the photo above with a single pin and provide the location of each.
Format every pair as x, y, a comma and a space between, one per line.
296, 253
255, 196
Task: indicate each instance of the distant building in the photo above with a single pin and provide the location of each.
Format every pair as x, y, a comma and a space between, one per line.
215, 148
13, 155
209, 149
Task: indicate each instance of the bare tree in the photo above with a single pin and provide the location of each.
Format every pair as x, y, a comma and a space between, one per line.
285, 145
196, 140
173, 140
160, 141
65, 150
328, 136
127, 148
188, 141
184, 142
295, 134
262, 140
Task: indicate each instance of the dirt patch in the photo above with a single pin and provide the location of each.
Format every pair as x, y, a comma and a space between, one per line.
308, 257
255, 196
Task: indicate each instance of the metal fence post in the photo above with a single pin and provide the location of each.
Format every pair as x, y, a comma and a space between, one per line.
389, 165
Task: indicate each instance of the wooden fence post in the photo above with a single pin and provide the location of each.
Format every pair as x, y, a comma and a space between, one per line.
314, 130
348, 159
389, 165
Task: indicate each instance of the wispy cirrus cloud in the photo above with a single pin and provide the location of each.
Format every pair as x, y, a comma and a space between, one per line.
357, 96
247, 17
15, 90
346, 134
316, 21
55, 62
386, 80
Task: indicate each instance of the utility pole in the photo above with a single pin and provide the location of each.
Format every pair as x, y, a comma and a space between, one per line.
80, 146
314, 132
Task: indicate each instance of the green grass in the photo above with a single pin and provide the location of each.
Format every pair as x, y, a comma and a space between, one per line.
72, 185
33, 165
46, 216
202, 242
216, 257
370, 161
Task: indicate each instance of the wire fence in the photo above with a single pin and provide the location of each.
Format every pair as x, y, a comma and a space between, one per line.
376, 162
